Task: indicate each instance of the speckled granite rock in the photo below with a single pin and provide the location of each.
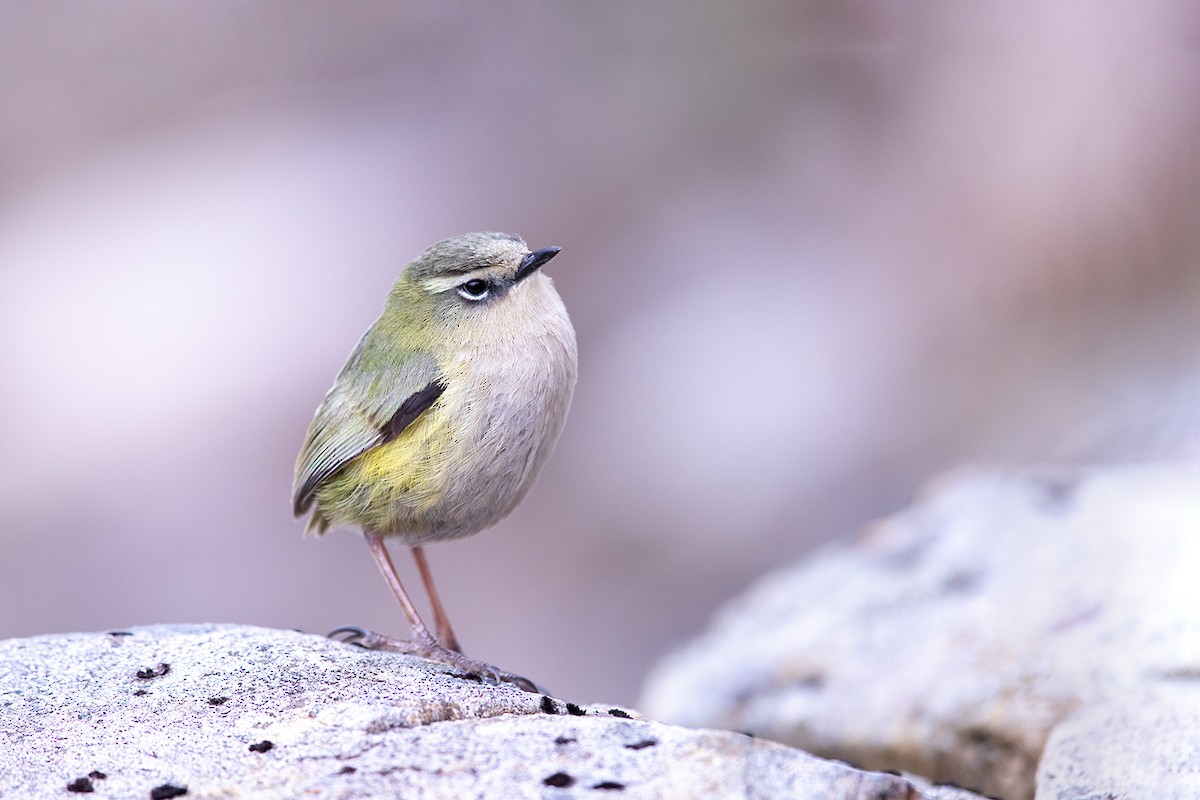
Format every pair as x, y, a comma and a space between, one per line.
232, 711
1137, 747
975, 635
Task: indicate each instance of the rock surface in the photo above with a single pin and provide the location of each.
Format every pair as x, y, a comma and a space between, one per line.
231, 711
1009, 618
1134, 748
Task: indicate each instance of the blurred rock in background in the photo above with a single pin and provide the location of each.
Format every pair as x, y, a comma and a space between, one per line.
1018, 632
815, 253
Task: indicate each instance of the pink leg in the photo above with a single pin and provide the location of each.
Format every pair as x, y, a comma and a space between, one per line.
445, 633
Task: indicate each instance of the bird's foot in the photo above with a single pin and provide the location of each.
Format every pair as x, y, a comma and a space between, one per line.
428, 647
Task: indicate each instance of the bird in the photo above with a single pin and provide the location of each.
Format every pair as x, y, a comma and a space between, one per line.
442, 417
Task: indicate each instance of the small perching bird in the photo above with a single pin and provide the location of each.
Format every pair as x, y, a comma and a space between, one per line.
443, 416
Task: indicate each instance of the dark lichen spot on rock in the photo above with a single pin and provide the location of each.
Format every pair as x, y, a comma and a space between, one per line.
616, 712
97, 775
575, 710
1056, 493
611, 786
962, 582
642, 745
218, 701
810, 681
347, 770
157, 671
167, 791
548, 705
561, 740
559, 780
262, 747
140, 693
81, 786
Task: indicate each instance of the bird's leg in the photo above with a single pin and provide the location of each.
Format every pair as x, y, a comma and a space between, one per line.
422, 642
441, 622
420, 634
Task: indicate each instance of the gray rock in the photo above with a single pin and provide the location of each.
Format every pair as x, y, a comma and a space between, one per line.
953, 639
230, 711
1138, 747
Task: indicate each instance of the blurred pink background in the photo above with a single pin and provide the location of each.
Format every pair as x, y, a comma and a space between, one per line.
815, 253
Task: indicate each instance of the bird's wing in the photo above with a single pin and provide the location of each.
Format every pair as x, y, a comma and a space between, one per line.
375, 397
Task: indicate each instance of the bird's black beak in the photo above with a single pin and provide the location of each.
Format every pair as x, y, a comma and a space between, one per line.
535, 261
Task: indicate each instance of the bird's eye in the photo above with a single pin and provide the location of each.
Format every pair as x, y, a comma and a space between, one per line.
475, 289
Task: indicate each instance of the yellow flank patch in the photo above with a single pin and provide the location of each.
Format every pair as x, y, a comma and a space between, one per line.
391, 484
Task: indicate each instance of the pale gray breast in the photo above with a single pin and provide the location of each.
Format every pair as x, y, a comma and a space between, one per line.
517, 391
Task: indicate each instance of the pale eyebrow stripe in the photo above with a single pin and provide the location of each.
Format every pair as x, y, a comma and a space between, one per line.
445, 282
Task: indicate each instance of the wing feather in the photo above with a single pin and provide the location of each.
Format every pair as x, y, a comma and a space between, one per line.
373, 399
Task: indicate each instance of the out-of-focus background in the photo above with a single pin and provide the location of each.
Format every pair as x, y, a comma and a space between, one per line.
815, 253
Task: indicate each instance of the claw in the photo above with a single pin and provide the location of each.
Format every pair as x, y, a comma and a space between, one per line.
522, 683
356, 635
